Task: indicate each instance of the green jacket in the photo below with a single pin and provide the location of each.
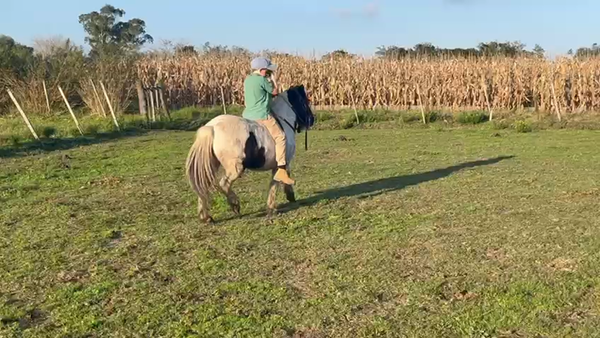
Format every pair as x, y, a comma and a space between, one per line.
258, 96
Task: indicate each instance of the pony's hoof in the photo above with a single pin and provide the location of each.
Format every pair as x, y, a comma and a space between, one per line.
236, 210
289, 194
208, 220
271, 214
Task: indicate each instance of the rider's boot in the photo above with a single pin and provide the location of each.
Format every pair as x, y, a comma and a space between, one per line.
282, 176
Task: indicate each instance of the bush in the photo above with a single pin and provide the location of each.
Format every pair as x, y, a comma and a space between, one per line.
48, 132
430, 117
500, 125
15, 140
91, 129
409, 117
322, 116
73, 132
523, 127
475, 117
433, 116
348, 121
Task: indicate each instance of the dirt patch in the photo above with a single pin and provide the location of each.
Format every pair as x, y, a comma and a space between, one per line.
563, 264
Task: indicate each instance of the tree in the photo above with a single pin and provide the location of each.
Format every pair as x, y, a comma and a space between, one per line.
539, 51
59, 59
586, 52
108, 35
221, 50
461, 52
507, 49
392, 52
15, 57
47, 46
185, 50
337, 54
494, 48
425, 49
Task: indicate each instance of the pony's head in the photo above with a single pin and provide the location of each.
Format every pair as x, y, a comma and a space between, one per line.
293, 105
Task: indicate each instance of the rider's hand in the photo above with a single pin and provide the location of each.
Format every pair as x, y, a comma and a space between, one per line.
273, 79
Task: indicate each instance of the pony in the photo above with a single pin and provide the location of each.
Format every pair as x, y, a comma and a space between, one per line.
236, 144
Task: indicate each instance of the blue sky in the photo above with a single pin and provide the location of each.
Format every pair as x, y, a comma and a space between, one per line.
307, 26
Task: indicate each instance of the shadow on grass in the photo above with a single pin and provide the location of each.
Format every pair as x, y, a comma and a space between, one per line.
49, 145
372, 188
385, 185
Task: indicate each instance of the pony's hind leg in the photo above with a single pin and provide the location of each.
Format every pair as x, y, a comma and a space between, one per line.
271, 201
232, 172
203, 210
289, 192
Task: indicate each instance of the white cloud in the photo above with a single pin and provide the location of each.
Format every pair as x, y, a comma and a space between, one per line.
370, 10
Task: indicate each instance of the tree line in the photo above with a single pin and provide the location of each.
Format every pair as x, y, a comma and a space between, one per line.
114, 45
486, 49
108, 36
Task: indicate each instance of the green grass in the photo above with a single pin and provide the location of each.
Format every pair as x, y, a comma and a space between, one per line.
405, 232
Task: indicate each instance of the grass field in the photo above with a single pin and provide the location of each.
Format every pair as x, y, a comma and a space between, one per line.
466, 232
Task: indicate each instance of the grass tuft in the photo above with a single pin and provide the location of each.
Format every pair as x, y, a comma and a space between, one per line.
523, 127
475, 117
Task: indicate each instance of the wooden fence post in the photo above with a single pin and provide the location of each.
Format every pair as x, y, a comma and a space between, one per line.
70, 110
98, 98
112, 111
487, 99
162, 100
421, 104
141, 97
22, 114
46, 94
151, 95
223, 100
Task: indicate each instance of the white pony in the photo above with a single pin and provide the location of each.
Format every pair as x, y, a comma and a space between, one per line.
236, 144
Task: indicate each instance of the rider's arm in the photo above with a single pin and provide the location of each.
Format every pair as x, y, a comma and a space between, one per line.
270, 87
275, 87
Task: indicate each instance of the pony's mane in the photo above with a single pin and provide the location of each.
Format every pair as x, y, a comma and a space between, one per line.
294, 107
287, 112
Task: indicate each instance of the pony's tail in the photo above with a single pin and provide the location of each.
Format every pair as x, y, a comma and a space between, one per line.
201, 164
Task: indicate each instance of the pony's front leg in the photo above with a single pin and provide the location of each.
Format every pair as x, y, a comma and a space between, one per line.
271, 201
289, 192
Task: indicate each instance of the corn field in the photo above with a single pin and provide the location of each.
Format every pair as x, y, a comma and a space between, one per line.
500, 84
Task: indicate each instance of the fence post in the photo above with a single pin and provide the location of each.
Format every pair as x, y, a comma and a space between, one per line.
141, 97
22, 114
46, 94
70, 110
112, 111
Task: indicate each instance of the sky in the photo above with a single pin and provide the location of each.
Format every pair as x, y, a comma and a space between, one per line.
318, 26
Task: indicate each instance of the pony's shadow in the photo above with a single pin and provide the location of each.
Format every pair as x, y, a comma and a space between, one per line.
385, 185
376, 187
